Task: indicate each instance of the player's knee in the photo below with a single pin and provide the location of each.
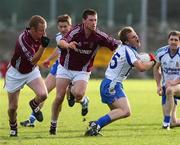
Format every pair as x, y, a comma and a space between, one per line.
169, 91
59, 100
79, 95
42, 95
13, 109
127, 113
124, 113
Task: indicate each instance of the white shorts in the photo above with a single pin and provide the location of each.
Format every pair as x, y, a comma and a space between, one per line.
16, 81
72, 75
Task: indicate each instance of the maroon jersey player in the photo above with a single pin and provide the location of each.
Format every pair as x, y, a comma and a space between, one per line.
79, 48
29, 48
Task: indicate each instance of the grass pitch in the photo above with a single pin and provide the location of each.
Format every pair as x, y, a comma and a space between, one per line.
142, 128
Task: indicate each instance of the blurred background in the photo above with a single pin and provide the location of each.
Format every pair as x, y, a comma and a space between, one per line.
152, 19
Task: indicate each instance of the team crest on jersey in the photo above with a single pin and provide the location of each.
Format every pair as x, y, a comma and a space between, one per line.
177, 64
165, 63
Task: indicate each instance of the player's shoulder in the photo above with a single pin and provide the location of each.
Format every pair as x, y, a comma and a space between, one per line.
101, 33
126, 49
162, 50
59, 35
76, 29
130, 49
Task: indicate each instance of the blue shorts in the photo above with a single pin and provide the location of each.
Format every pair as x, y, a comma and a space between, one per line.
53, 69
106, 96
164, 97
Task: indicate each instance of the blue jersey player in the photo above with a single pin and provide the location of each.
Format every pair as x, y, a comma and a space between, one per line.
167, 75
123, 60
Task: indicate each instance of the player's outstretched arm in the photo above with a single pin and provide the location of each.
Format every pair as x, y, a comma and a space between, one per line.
66, 45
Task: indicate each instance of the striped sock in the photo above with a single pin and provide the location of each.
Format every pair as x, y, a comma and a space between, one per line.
13, 125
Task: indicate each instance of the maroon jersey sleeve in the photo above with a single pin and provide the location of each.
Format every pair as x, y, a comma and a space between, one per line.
107, 41
70, 35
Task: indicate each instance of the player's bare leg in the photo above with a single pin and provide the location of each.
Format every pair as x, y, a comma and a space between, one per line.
50, 83
12, 112
77, 91
61, 86
39, 88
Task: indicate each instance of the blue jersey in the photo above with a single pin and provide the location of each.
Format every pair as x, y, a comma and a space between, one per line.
170, 65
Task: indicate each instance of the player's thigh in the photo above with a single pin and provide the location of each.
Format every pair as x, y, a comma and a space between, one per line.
80, 81
50, 82
38, 86
177, 90
61, 86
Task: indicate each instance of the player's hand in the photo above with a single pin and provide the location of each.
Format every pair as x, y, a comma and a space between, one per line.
46, 63
159, 91
45, 41
73, 45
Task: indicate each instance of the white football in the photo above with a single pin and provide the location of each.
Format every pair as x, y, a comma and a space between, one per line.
144, 57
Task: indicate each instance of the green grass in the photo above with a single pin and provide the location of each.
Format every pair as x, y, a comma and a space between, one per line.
142, 128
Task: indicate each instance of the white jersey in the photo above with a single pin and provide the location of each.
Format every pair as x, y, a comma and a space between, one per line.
58, 38
121, 63
170, 65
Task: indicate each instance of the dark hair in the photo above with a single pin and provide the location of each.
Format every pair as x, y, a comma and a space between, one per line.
88, 12
64, 18
123, 33
35, 20
174, 33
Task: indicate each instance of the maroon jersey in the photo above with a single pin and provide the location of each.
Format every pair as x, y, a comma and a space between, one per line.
25, 49
82, 57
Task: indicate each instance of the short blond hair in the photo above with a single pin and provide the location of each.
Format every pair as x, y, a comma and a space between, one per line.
35, 20
122, 34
